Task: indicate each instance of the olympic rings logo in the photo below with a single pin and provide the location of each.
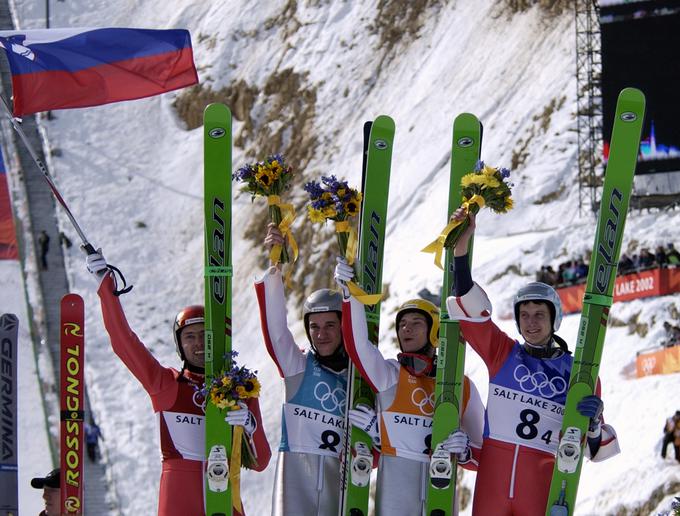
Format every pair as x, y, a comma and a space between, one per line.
331, 400
421, 399
199, 400
539, 381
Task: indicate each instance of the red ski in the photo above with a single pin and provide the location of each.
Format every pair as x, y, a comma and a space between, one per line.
72, 395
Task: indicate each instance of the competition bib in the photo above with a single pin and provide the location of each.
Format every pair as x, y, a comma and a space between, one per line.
313, 431
313, 420
187, 432
526, 401
406, 425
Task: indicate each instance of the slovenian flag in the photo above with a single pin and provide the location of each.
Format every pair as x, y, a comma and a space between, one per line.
72, 68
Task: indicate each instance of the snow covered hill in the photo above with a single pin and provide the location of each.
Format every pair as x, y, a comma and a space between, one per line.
301, 77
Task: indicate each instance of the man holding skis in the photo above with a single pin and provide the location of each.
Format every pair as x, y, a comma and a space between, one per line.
405, 399
527, 393
315, 384
175, 398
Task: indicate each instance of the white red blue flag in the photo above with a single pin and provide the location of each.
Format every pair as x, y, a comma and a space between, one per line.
72, 68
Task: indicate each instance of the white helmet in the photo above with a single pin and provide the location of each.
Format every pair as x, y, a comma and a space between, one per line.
537, 291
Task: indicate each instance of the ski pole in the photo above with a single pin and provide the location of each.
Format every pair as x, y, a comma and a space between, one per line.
86, 246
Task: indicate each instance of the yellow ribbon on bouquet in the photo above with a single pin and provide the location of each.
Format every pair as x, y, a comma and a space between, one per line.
288, 216
235, 469
437, 246
343, 226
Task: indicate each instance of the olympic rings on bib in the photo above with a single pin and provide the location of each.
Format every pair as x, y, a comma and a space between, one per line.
199, 400
539, 381
421, 400
331, 400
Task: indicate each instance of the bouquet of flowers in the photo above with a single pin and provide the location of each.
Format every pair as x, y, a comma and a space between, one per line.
484, 186
233, 384
335, 200
269, 178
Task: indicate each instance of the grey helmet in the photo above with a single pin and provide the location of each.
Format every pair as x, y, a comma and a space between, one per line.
323, 300
537, 291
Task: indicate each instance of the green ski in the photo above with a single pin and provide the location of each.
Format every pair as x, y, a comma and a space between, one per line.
467, 141
217, 191
618, 182
358, 460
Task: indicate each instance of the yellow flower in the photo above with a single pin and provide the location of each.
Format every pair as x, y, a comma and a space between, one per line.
329, 212
509, 204
253, 388
352, 208
264, 177
315, 215
489, 171
226, 382
479, 179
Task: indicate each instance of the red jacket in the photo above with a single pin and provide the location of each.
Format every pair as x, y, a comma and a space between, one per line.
180, 413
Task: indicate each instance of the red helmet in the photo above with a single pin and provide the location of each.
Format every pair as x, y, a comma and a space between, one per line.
188, 315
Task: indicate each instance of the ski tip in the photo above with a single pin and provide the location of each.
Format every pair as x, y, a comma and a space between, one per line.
632, 95
216, 109
8, 322
466, 118
72, 299
384, 121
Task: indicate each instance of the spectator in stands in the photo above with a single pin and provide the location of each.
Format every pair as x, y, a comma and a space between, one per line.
626, 265
660, 256
570, 273
671, 434
672, 255
542, 275
51, 492
550, 275
64, 240
646, 259
92, 435
581, 270
43, 246
672, 334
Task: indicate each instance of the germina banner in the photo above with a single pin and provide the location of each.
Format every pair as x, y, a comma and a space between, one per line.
74, 68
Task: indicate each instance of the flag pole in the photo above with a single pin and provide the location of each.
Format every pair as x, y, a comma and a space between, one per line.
86, 246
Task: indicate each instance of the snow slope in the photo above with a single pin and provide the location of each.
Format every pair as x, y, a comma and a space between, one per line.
131, 173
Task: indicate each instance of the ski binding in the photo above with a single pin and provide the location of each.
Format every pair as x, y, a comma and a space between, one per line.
441, 468
569, 450
362, 463
218, 469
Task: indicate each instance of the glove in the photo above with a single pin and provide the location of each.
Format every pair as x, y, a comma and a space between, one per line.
592, 407
96, 265
344, 273
242, 417
458, 443
365, 418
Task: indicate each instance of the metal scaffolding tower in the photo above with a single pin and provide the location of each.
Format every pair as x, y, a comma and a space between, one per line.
589, 102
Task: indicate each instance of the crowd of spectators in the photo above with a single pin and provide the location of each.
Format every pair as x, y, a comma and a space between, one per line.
646, 260
571, 272
575, 271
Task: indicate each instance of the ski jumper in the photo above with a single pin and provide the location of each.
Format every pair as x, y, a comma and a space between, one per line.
405, 404
523, 418
307, 481
179, 412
